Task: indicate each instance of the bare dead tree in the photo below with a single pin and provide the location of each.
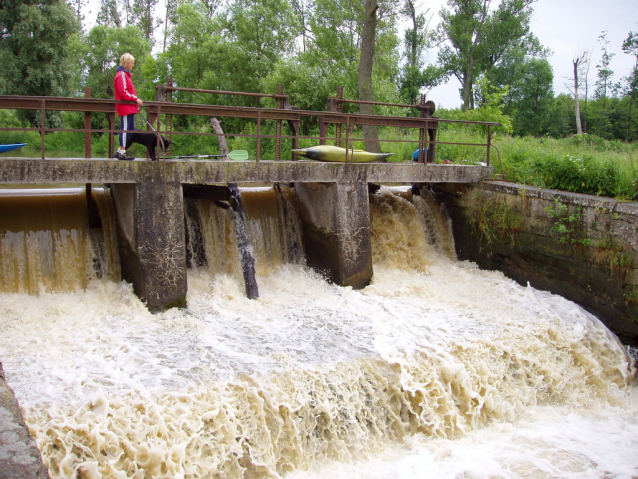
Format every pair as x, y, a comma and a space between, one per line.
578, 62
584, 73
217, 128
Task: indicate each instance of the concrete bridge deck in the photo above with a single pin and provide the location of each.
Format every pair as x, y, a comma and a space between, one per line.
80, 170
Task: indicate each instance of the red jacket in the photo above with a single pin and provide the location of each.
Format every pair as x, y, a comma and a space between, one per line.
124, 90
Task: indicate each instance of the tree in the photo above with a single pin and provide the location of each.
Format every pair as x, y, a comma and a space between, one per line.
532, 97
143, 17
99, 55
33, 49
194, 49
630, 47
414, 37
259, 34
477, 37
169, 18
413, 78
578, 65
108, 14
491, 107
604, 78
365, 72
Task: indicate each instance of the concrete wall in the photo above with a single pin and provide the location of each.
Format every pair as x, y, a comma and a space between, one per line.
19, 455
336, 230
577, 265
150, 220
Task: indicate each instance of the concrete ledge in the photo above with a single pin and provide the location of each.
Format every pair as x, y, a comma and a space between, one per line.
19, 455
61, 170
579, 271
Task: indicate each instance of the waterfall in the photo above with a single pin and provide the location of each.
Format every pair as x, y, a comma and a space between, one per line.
436, 366
47, 244
272, 226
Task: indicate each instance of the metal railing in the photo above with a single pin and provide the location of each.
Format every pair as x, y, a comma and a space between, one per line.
425, 123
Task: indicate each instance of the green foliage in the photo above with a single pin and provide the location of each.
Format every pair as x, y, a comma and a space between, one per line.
478, 35
413, 81
609, 252
493, 222
584, 164
631, 297
567, 223
98, 55
33, 51
491, 108
530, 97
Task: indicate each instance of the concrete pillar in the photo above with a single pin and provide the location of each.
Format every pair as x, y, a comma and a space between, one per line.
336, 228
150, 218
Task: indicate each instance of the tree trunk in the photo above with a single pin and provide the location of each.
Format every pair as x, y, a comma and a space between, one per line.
579, 127
217, 128
631, 100
365, 73
415, 27
467, 86
633, 84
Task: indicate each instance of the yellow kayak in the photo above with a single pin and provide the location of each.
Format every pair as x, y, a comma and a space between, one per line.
337, 154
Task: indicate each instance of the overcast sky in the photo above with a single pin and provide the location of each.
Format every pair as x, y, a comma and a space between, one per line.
567, 27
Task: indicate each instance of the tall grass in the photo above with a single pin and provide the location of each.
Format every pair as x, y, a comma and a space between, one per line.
580, 164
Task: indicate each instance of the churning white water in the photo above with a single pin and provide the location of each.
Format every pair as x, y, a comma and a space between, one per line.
435, 370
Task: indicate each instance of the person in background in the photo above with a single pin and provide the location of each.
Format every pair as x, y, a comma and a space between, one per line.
124, 90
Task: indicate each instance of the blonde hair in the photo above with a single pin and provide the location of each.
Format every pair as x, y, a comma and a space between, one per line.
127, 57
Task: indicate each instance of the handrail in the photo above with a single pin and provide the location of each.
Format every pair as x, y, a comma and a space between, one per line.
89, 105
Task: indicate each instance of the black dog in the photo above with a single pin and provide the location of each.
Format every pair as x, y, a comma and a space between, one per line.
149, 140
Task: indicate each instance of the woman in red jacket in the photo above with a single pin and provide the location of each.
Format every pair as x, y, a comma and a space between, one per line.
124, 90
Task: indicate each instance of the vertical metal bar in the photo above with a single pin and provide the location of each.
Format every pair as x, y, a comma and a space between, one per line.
340, 110
258, 136
169, 118
423, 135
278, 123
87, 126
159, 131
322, 131
421, 147
347, 136
489, 142
432, 135
111, 116
42, 124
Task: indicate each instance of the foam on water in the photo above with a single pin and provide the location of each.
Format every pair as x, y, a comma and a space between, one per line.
436, 366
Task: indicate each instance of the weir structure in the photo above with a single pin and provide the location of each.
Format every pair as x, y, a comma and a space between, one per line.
149, 196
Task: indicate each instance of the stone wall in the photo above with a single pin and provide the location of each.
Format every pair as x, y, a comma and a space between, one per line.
582, 247
19, 454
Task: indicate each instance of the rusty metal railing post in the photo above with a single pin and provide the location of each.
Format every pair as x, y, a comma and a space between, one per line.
87, 126
422, 133
348, 138
340, 110
258, 136
278, 122
42, 125
489, 141
111, 117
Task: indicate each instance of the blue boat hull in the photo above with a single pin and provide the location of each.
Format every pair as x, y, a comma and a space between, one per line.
14, 146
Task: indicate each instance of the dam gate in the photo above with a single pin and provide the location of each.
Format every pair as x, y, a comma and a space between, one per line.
149, 195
